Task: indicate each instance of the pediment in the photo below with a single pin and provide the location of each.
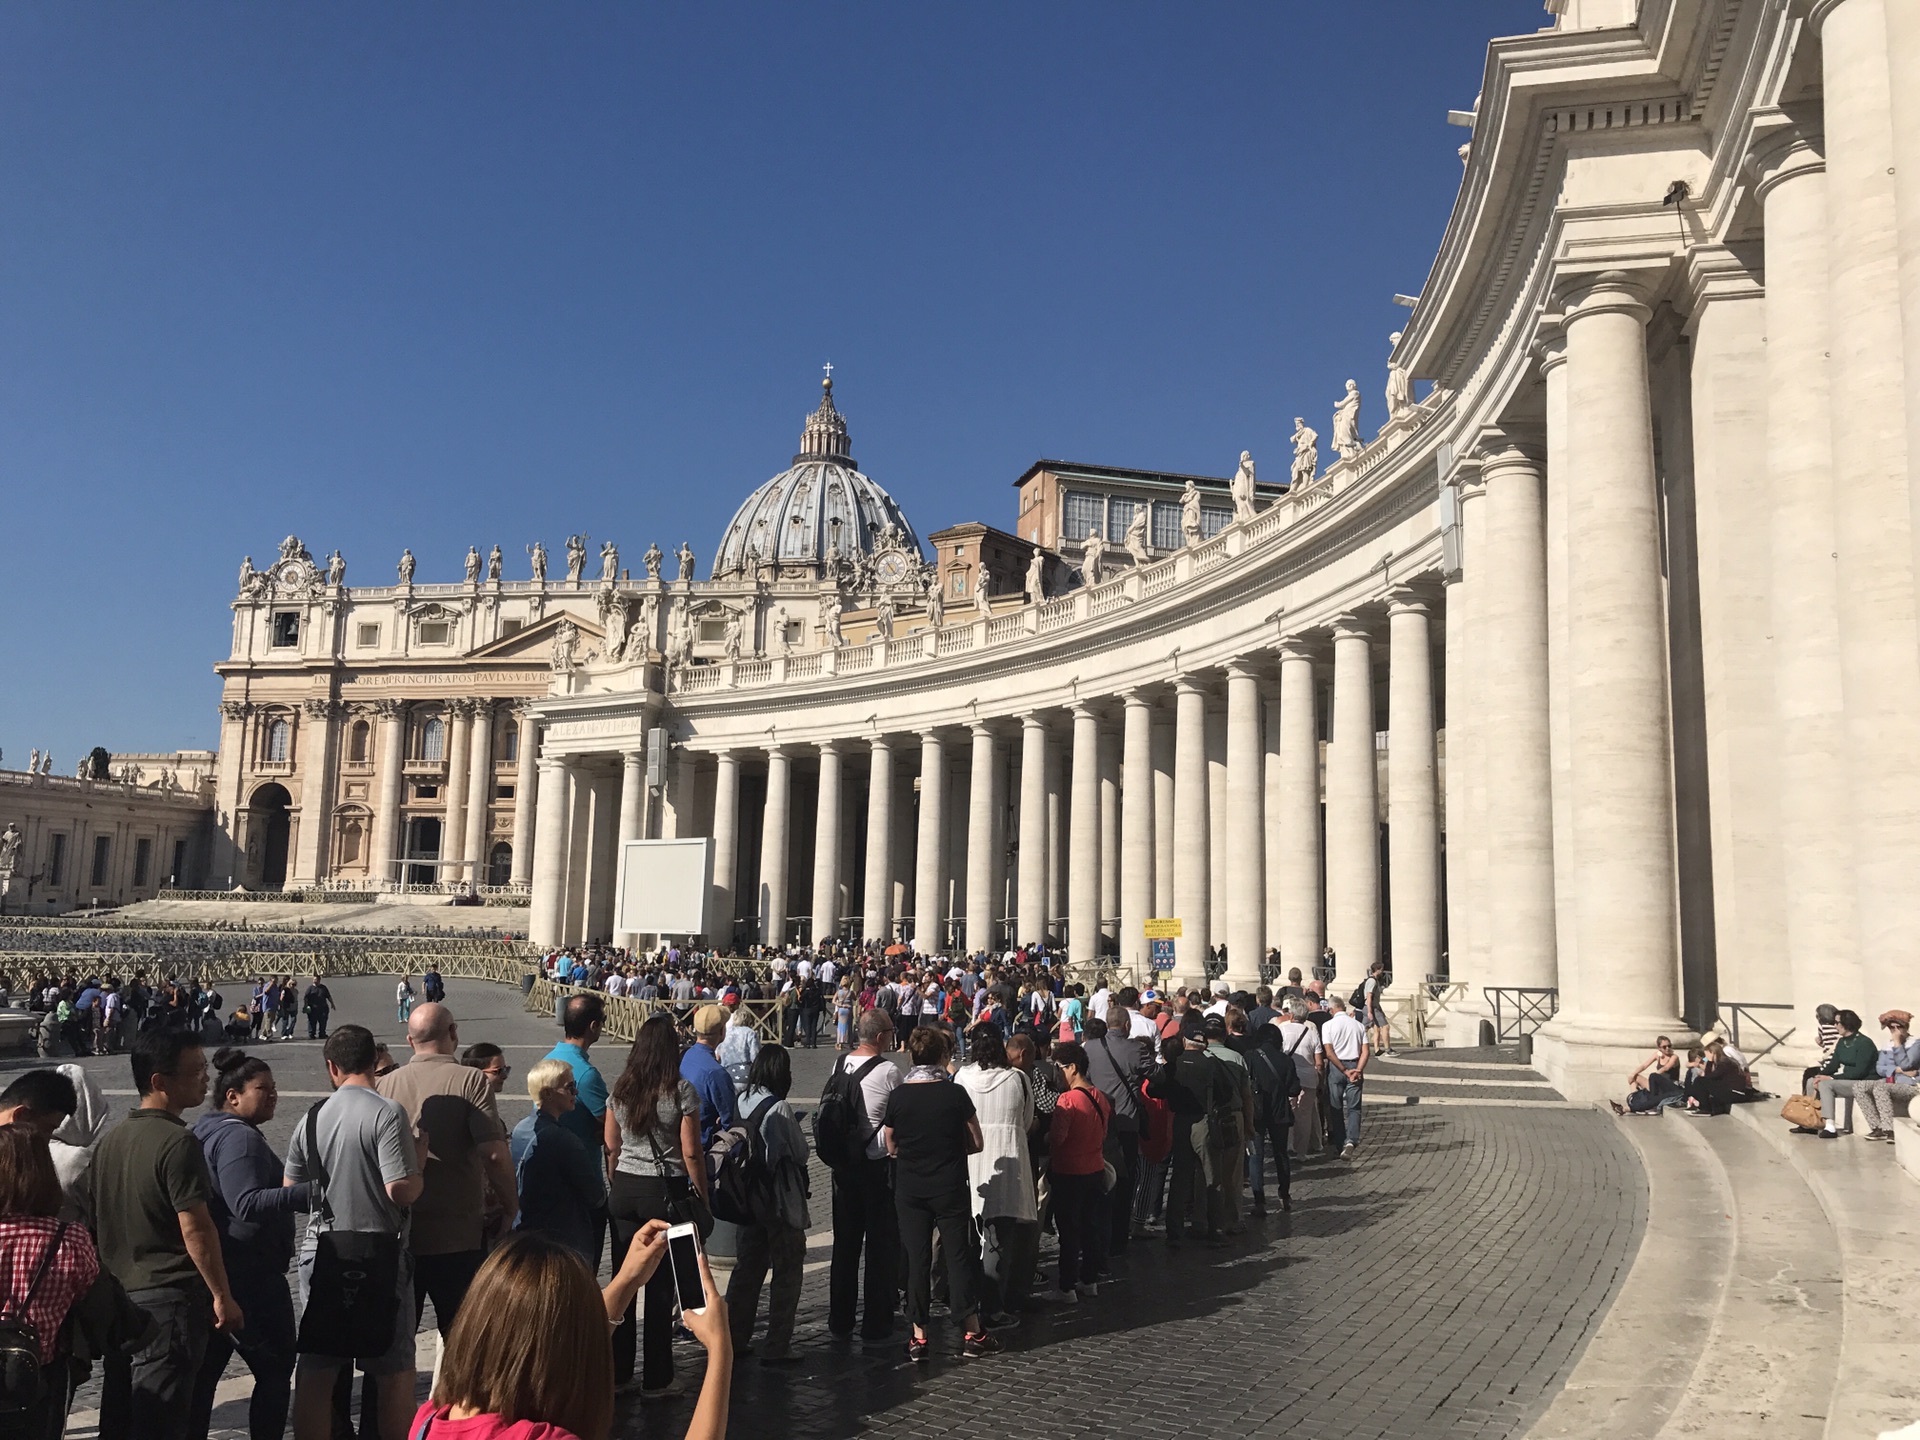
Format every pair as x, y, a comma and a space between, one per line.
535, 643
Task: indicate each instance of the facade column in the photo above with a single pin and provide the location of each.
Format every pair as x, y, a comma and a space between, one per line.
226, 865
876, 921
318, 740
633, 820
1245, 859
473, 847
1163, 765
1136, 836
1875, 497
602, 857
1551, 350
1513, 608
1621, 731
726, 849
983, 858
1083, 838
773, 847
1109, 841
1816, 882
1297, 875
930, 868
525, 792
1466, 791
453, 824
1031, 904
386, 818
1413, 826
1353, 811
826, 847
1903, 66
1192, 878
549, 878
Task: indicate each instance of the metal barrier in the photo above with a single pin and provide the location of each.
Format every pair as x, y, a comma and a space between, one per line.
625, 1016
1734, 1011
18, 972
1520, 1009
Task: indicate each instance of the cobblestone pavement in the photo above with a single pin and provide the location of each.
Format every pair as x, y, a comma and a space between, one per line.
1442, 1284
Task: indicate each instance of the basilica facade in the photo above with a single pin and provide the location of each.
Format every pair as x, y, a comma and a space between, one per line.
1591, 672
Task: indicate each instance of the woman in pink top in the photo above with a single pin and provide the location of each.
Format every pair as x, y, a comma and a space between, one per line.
531, 1354
1076, 1144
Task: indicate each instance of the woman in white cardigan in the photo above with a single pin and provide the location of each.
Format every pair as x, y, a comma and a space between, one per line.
1000, 1176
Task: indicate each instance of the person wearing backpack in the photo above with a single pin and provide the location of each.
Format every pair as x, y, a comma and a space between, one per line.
1370, 1008
49, 1265
847, 1130
1276, 1085
776, 1180
1117, 1066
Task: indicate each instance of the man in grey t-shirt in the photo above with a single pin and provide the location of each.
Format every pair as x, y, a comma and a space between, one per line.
374, 1164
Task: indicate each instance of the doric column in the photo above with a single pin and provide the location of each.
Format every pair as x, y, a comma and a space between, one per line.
226, 864
526, 787
1874, 496
1136, 834
1192, 878
1903, 66
1271, 808
633, 821
1163, 815
877, 911
548, 900
773, 847
1217, 822
726, 848
1413, 827
1520, 918
1298, 873
1353, 810
1621, 733
317, 740
1083, 839
1057, 855
1109, 839
930, 859
826, 846
1466, 791
1552, 352
1816, 881
453, 826
983, 860
479, 794
1031, 904
393, 758
1246, 849
579, 826
603, 857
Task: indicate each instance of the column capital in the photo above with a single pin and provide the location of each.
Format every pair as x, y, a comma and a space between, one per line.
827, 747
980, 729
1298, 648
633, 755
1783, 147
1351, 626
881, 744
483, 707
1587, 292
1135, 697
390, 709
461, 707
557, 762
1521, 444
1244, 667
1409, 600
1190, 684
777, 749
318, 707
1550, 342
1032, 721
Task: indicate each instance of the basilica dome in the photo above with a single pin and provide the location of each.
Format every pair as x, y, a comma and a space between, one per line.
820, 508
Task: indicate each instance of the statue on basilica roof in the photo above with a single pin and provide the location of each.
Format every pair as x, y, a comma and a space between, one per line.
652, 561
686, 563
336, 570
609, 563
473, 564
1346, 423
406, 567
537, 552
493, 565
1306, 454
576, 559
1243, 487
1190, 527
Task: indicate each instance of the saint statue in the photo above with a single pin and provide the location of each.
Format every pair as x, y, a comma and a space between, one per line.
406, 567
883, 618
247, 572
33, 762
1243, 487
1093, 557
46, 763
830, 617
1037, 576
473, 564
1399, 386
609, 563
640, 638
493, 565
1190, 514
733, 636
652, 561
936, 606
1137, 535
538, 553
337, 569
566, 641
1306, 454
576, 559
685, 557
1346, 423
613, 619
10, 842
983, 593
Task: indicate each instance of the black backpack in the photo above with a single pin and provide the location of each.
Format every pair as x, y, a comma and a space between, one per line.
742, 1179
841, 1128
1275, 1082
23, 1383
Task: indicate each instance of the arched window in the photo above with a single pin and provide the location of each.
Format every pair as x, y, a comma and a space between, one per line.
433, 740
510, 744
357, 742
279, 741
500, 864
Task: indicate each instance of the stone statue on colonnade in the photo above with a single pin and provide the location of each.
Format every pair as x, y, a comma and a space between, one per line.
1346, 423
406, 567
33, 762
613, 619
1093, 557
336, 570
1037, 576
1306, 454
685, 558
983, 593
247, 574
10, 842
494, 560
1190, 514
936, 605
883, 618
473, 564
609, 563
1399, 386
537, 552
830, 617
733, 636
1243, 487
576, 559
1137, 535
652, 561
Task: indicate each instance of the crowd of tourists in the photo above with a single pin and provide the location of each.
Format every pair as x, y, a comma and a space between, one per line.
95, 1014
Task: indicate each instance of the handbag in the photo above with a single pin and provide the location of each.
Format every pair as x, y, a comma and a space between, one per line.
1801, 1110
685, 1205
353, 1289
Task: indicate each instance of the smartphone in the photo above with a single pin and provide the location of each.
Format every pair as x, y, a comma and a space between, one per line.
683, 1253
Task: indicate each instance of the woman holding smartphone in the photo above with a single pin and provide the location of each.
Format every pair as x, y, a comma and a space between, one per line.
531, 1358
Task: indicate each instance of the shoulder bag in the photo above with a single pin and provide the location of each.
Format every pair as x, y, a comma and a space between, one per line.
684, 1203
353, 1289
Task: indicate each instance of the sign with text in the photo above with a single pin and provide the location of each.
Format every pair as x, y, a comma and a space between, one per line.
1162, 954
1162, 929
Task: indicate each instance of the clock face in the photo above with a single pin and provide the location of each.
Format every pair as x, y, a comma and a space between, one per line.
891, 568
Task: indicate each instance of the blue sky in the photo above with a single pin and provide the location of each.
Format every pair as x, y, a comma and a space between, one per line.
436, 275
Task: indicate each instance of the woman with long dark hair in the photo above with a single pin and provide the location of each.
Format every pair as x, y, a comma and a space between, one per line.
778, 1236
48, 1266
653, 1144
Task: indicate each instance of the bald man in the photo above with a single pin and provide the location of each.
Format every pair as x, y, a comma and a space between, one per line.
453, 1105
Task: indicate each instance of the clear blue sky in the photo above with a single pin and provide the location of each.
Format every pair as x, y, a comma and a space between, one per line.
434, 275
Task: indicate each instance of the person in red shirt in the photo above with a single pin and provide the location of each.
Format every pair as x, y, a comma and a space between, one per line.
1077, 1142
1156, 1151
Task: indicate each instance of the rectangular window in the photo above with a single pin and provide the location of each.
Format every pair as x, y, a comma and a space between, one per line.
426, 792
1083, 514
367, 637
56, 860
1119, 517
511, 627
1214, 519
102, 853
1166, 525
434, 632
179, 861
510, 745
503, 792
712, 632
142, 862
286, 629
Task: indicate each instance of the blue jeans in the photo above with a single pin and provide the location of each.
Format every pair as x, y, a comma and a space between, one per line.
1344, 1095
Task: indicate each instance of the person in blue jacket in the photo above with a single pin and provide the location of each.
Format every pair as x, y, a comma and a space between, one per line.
563, 1186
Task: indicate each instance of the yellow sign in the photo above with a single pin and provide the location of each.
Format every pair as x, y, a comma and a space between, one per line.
1162, 929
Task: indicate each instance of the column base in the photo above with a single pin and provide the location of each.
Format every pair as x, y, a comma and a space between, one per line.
1592, 1058
1467, 1025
